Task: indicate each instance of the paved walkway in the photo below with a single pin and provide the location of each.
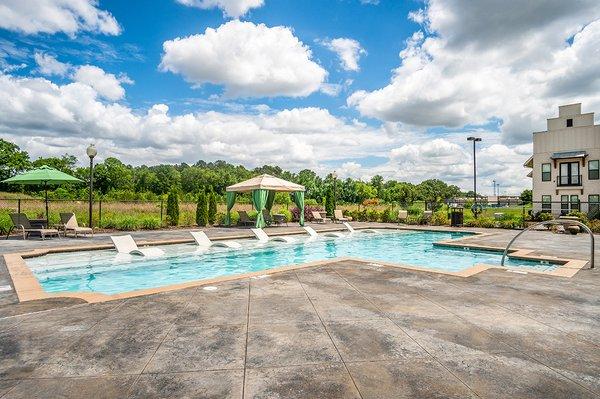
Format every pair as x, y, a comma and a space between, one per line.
345, 330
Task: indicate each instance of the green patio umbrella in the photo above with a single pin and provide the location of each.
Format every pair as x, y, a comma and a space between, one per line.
44, 176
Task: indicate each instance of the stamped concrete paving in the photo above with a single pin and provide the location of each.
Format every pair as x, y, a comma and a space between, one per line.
344, 330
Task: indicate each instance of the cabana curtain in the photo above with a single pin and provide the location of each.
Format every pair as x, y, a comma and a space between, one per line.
230, 199
259, 199
299, 201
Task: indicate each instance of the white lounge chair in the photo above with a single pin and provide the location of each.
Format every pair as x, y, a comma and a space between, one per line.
263, 237
204, 242
314, 234
126, 245
352, 231
70, 225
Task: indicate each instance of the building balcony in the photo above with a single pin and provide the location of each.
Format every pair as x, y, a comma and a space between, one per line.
569, 181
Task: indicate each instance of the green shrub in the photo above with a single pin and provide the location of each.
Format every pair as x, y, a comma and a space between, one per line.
373, 215
414, 220
235, 217
173, 208
329, 202
583, 218
212, 208
310, 201
415, 210
150, 223
440, 218
127, 223
201, 210
287, 213
252, 215
594, 225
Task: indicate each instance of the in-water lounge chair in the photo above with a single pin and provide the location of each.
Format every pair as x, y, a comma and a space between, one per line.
70, 225
204, 242
352, 231
314, 234
339, 216
318, 218
126, 245
263, 237
22, 223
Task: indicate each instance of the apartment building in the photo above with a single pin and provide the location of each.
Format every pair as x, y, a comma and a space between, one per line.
566, 163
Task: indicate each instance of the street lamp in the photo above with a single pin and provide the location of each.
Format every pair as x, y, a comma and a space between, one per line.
335, 176
91, 152
474, 140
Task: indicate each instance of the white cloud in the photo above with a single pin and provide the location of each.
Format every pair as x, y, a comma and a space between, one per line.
231, 8
248, 60
485, 59
348, 51
105, 84
52, 16
66, 117
48, 65
50, 119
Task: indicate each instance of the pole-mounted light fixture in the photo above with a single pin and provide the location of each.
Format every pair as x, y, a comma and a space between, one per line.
475, 210
91, 152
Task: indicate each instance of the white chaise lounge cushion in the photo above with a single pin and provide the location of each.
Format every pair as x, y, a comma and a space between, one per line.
203, 241
126, 245
263, 237
352, 231
314, 234
311, 231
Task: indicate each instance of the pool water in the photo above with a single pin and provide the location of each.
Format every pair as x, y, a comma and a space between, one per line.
110, 273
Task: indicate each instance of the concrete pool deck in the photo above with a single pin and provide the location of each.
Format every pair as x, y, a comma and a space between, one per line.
343, 329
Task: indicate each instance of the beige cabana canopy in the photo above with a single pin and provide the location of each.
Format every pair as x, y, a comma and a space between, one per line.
263, 190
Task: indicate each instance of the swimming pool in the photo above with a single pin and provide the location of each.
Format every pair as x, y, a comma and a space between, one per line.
107, 272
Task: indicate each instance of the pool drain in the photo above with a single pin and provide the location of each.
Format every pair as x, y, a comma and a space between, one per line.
210, 288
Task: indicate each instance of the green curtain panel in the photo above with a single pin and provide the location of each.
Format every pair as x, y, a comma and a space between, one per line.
230, 199
270, 201
259, 199
299, 201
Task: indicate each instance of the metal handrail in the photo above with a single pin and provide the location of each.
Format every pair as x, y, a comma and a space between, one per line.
550, 222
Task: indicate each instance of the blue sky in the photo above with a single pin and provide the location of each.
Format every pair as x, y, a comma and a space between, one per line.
388, 87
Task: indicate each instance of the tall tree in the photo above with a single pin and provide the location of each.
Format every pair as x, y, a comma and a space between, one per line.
12, 159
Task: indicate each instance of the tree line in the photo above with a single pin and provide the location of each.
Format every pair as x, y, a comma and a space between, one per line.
116, 180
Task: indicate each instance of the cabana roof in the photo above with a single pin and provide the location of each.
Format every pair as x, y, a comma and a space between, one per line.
265, 182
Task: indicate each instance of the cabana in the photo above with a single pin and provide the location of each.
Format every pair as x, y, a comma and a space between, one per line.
263, 189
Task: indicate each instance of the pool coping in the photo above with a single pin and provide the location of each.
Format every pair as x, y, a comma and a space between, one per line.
28, 288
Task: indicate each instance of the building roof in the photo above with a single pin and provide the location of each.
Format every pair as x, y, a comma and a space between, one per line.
529, 162
569, 154
265, 182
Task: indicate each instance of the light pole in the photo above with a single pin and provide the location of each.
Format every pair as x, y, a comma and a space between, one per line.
91, 152
474, 140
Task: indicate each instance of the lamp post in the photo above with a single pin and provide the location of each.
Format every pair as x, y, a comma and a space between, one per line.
91, 152
335, 176
474, 140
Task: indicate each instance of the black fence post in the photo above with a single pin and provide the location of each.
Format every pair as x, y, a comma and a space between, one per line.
18, 205
100, 213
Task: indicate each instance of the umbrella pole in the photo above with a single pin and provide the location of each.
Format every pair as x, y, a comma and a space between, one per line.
47, 217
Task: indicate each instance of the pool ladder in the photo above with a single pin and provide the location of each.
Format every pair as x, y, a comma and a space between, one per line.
552, 222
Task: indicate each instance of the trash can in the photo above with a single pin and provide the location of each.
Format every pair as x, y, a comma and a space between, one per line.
456, 216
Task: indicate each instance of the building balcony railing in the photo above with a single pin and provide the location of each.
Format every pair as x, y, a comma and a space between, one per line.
565, 181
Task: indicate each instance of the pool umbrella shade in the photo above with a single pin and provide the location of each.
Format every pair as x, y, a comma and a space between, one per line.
44, 176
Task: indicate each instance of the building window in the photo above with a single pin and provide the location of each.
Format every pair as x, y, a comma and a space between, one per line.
569, 174
546, 203
546, 172
575, 203
569, 122
564, 204
594, 206
594, 170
